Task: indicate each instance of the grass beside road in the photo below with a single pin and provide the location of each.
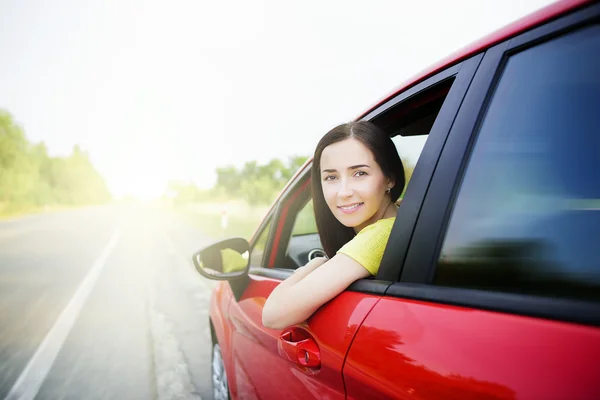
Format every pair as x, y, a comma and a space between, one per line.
242, 220
10, 211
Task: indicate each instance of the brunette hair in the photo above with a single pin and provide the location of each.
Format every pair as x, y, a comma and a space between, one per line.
332, 232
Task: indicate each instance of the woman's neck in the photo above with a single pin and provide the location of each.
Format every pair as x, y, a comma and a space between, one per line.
388, 212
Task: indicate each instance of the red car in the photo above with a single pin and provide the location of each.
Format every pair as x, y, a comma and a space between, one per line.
489, 287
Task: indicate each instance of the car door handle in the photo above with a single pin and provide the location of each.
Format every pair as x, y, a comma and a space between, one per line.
298, 347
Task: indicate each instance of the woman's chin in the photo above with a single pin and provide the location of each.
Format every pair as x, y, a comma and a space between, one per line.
350, 221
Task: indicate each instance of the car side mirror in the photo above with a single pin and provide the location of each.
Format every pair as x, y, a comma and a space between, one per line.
226, 259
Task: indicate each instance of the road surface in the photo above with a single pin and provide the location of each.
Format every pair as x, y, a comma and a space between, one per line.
103, 303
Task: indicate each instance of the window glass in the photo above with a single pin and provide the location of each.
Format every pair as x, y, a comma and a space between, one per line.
304, 242
409, 148
527, 216
258, 250
305, 221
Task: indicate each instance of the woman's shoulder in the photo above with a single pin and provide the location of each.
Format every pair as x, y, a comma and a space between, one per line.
376, 232
368, 245
382, 224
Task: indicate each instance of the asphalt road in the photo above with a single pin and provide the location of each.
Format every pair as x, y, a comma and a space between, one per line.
103, 303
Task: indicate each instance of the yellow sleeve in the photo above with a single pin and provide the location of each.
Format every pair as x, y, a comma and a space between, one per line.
368, 245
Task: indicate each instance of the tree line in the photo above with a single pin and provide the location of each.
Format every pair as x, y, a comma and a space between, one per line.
257, 184
30, 178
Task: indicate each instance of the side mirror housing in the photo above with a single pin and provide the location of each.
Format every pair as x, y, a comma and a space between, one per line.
224, 260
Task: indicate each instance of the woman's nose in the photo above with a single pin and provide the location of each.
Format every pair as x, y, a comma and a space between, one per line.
345, 189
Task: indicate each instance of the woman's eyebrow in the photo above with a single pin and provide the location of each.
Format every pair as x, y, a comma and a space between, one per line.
350, 167
359, 166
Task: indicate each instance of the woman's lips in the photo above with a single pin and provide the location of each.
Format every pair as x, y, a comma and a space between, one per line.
350, 208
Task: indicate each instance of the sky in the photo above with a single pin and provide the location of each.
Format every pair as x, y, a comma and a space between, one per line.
160, 90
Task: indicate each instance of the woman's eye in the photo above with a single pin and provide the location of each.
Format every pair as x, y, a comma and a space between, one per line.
329, 178
360, 173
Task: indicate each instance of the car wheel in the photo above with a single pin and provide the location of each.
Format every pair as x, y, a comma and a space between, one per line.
219, 376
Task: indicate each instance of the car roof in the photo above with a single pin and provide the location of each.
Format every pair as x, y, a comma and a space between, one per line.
521, 25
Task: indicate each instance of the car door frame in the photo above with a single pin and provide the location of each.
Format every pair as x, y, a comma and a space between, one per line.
419, 268
462, 72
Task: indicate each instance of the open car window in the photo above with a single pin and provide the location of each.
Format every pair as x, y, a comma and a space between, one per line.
304, 244
408, 123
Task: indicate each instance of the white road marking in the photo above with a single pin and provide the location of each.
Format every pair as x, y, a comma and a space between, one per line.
29, 382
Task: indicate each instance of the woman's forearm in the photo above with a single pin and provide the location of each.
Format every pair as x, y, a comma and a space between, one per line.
271, 308
298, 275
301, 272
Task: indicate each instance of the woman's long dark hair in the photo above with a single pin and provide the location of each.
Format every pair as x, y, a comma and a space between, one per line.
332, 232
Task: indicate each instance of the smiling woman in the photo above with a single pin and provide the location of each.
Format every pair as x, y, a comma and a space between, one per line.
357, 177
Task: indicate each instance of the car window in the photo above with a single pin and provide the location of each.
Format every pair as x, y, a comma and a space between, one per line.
258, 249
409, 123
409, 148
305, 223
527, 215
304, 243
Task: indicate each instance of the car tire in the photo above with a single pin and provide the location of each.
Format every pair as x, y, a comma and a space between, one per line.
219, 375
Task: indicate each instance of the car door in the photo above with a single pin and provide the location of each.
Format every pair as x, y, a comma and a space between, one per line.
498, 295
303, 361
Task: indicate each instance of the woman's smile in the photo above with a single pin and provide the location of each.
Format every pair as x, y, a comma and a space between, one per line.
350, 208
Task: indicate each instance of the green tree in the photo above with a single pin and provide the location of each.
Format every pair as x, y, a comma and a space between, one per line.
30, 177
228, 178
255, 183
18, 176
259, 190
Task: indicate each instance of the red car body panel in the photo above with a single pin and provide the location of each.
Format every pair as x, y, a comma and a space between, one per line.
437, 351
219, 319
262, 372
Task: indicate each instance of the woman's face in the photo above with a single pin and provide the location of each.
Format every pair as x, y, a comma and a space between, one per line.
353, 184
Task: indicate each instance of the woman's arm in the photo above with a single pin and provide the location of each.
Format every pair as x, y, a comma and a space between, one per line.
299, 296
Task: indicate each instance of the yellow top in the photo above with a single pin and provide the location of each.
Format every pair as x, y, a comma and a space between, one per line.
368, 245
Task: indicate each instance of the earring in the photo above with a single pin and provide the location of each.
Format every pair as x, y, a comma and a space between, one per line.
388, 190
